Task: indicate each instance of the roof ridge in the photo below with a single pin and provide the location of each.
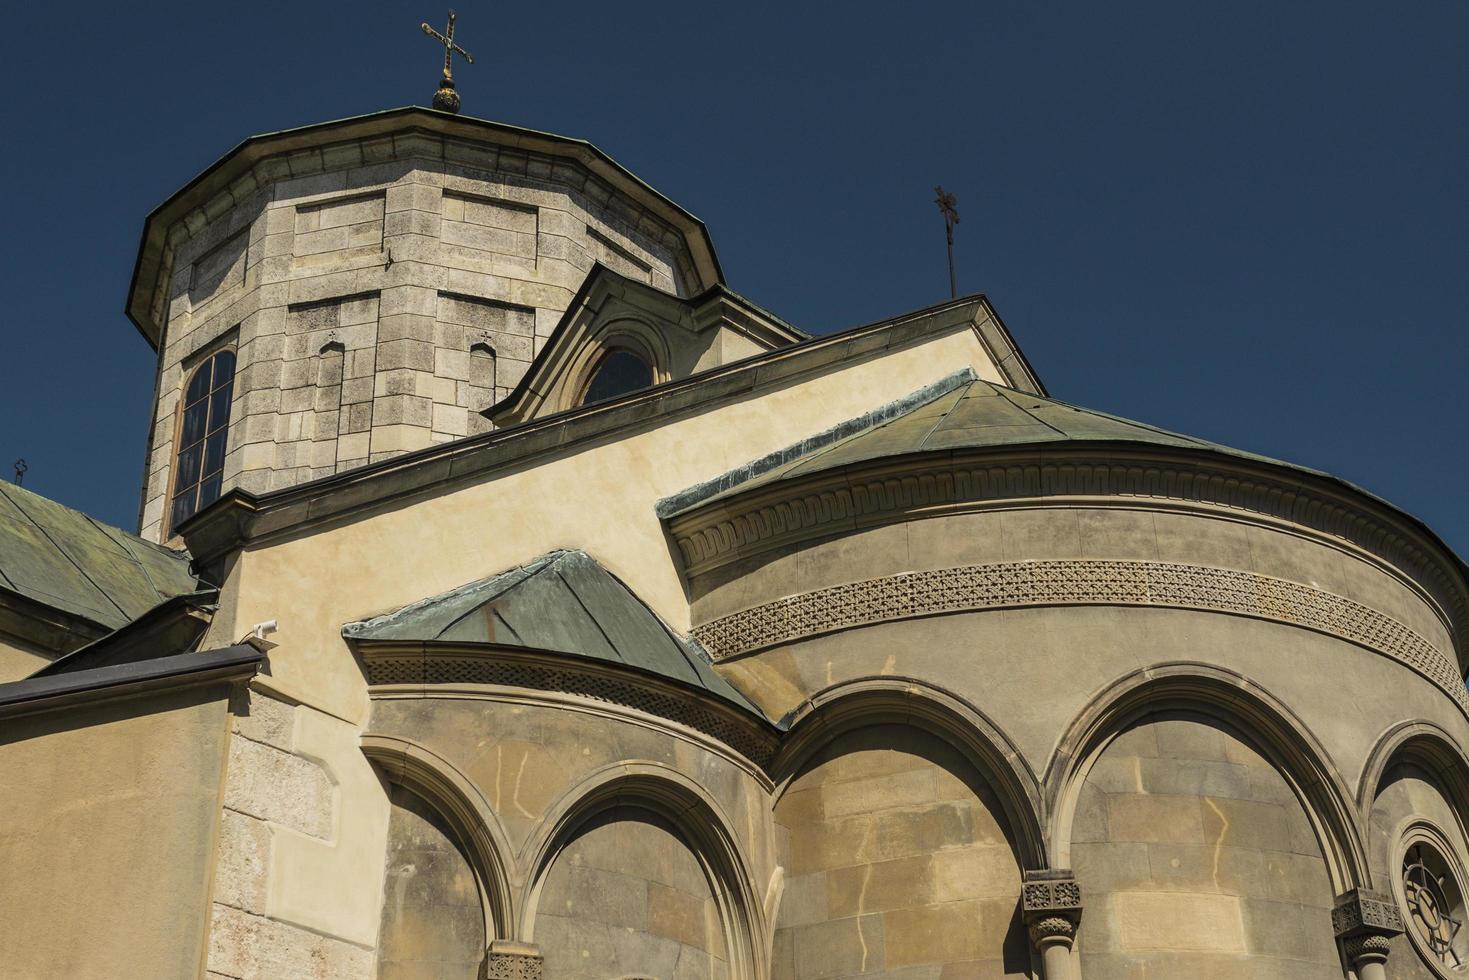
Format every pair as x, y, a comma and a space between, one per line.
383, 619
818, 443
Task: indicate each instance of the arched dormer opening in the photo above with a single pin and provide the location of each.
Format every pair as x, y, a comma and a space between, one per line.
621, 369
203, 434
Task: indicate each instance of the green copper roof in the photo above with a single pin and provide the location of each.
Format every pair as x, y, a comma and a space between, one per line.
66, 560
958, 412
563, 602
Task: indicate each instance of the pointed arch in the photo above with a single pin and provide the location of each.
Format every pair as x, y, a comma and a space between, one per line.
669, 794
1231, 698
452, 794
868, 701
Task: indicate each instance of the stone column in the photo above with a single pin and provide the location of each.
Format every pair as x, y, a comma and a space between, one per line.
1365, 923
507, 960
1051, 908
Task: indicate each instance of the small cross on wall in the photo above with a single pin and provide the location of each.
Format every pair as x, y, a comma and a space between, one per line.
446, 99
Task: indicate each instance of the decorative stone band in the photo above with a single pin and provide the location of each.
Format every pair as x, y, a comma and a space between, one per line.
869, 495
1075, 582
513, 961
745, 738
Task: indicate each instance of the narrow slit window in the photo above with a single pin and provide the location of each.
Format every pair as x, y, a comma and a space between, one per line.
198, 471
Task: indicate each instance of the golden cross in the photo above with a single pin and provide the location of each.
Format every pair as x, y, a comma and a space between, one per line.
450, 48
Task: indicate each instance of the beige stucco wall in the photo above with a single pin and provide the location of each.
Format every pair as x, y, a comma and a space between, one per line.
599, 498
108, 820
20, 659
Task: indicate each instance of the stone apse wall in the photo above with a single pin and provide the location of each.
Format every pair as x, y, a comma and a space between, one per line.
1047, 738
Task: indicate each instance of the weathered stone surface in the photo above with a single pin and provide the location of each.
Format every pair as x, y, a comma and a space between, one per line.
270, 784
254, 947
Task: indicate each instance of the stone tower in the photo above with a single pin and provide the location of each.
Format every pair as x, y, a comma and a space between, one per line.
378, 282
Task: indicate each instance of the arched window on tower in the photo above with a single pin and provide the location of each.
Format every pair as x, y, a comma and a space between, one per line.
198, 470
619, 372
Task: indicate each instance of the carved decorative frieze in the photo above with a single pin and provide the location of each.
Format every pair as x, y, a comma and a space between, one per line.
1076, 582
1049, 897
743, 736
788, 513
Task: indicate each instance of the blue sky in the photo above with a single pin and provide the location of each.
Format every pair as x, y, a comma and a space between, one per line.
1245, 221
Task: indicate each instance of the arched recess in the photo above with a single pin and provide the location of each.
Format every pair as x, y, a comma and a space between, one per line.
868, 701
1237, 702
455, 798
626, 333
1430, 749
669, 795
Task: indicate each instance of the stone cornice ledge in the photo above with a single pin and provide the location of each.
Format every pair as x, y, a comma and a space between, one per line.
794, 512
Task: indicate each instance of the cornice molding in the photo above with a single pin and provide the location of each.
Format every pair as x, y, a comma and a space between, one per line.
1078, 582
423, 133
395, 668
792, 513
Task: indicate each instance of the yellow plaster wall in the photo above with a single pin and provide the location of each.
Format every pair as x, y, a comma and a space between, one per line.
600, 499
108, 817
19, 660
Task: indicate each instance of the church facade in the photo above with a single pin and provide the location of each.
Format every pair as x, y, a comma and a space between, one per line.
511, 599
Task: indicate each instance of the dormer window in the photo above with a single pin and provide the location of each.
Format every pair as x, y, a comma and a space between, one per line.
619, 372
198, 471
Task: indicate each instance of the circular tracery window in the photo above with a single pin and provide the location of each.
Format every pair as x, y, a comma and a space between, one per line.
1433, 903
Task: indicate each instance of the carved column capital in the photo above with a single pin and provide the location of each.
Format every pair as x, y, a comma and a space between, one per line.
1050, 904
1366, 922
506, 960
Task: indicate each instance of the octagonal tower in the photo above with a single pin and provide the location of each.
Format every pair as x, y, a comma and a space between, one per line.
336, 295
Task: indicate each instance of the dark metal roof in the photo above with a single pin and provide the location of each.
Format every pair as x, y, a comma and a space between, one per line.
562, 602
63, 559
236, 663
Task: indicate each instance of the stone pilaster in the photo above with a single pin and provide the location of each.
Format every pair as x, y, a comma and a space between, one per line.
507, 960
1051, 908
1365, 923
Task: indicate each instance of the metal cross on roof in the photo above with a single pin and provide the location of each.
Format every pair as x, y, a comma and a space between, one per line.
949, 206
446, 99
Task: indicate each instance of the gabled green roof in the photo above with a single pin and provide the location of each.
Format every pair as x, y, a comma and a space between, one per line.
64, 559
958, 412
562, 602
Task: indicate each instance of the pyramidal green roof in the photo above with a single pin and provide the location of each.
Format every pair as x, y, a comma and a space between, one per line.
958, 412
563, 602
64, 559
